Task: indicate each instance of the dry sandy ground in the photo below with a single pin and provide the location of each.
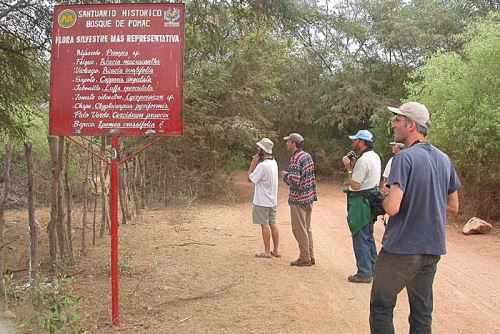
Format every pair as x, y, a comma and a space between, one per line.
193, 271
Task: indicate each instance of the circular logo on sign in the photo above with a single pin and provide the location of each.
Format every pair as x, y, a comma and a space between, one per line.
66, 18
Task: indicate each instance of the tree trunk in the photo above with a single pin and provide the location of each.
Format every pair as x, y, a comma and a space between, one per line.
123, 192
67, 191
61, 233
165, 188
3, 202
127, 190
94, 182
51, 228
121, 197
143, 181
108, 194
135, 194
33, 226
85, 206
104, 196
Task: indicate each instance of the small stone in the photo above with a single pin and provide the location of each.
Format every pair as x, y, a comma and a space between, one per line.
476, 226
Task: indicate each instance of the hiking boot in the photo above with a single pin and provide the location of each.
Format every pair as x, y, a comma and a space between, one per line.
359, 279
300, 263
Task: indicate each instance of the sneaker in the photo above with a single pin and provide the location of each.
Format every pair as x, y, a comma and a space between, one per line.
359, 279
300, 263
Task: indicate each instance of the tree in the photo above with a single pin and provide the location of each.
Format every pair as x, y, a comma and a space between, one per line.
462, 93
24, 38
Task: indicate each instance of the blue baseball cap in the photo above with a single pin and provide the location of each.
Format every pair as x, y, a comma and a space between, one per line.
362, 134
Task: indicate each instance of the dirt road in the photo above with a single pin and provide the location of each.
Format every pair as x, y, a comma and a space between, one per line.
194, 271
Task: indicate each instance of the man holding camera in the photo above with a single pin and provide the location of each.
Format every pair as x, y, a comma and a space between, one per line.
363, 176
423, 188
300, 177
263, 172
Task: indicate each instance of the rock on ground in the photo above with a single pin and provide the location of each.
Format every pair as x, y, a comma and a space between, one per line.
476, 226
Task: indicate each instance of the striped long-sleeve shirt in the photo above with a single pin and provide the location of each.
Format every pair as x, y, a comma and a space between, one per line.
301, 179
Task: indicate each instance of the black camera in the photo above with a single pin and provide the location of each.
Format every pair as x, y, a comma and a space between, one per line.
351, 155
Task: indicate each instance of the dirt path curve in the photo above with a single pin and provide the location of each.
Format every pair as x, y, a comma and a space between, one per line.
195, 272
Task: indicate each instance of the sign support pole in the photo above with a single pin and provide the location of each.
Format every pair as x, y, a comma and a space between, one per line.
114, 229
113, 208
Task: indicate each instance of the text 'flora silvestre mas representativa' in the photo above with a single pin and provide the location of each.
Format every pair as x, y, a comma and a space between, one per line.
117, 69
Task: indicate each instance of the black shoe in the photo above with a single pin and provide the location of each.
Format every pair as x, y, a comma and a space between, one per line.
359, 279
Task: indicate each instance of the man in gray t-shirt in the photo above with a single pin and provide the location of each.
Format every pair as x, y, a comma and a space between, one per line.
423, 187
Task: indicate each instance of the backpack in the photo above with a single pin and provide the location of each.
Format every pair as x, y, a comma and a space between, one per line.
375, 200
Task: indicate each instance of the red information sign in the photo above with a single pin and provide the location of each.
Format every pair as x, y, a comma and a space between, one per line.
117, 69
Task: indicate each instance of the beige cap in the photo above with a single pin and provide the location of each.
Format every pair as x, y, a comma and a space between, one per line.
295, 137
266, 144
415, 111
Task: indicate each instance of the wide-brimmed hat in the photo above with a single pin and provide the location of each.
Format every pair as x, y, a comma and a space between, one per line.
295, 137
362, 134
266, 144
415, 111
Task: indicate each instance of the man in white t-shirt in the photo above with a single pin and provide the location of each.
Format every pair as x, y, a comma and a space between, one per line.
263, 172
396, 148
364, 177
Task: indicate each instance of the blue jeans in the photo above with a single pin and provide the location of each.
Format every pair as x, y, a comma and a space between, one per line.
392, 273
364, 250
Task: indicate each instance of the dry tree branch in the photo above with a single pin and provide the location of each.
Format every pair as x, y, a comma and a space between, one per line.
206, 294
192, 243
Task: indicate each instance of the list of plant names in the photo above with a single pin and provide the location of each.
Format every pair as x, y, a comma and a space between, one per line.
117, 69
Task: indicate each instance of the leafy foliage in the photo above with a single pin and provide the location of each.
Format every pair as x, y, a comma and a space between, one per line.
462, 91
53, 302
24, 36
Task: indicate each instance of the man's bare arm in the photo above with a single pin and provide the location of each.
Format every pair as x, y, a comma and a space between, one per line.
452, 203
392, 201
354, 185
253, 165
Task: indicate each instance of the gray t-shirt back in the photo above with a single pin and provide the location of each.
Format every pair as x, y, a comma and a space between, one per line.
426, 177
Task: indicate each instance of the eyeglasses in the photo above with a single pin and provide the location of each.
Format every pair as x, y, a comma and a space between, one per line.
400, 118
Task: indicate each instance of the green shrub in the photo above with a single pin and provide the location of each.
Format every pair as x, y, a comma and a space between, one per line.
54, 303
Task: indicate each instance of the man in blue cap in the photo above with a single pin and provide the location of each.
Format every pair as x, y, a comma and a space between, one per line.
363, 176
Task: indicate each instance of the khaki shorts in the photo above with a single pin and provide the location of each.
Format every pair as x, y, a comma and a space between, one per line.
262, 215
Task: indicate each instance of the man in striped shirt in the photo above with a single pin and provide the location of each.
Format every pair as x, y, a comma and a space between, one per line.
301, 179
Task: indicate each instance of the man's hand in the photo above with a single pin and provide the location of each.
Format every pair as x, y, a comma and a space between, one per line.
254, 163
347, 163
